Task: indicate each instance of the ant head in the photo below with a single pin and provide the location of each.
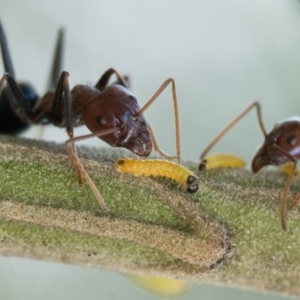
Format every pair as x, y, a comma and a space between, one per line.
116, 107
285, 135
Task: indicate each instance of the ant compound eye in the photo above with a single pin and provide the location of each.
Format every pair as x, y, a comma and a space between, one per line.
133, 98
292, 140
100, 120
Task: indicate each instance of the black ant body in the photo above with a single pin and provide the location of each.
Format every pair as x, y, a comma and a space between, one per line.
281, 146
110, 112
12, 120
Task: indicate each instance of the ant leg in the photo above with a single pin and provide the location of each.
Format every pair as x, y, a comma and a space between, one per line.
232, 123
62, 98
103, 81
288, 170
70, 145
287, 185
56, 67
7, 62
154, 97
156, 147
63, 93
295, 201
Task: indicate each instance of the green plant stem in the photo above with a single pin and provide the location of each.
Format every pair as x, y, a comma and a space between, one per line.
227, 233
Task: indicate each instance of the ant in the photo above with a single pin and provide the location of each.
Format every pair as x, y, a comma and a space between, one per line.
281, 146
109, 111
12, 119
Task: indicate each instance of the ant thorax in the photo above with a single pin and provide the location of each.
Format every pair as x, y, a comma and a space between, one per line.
81, 94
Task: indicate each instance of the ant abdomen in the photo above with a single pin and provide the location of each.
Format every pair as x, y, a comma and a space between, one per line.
10, 123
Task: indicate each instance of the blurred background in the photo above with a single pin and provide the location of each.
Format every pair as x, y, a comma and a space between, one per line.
223, 56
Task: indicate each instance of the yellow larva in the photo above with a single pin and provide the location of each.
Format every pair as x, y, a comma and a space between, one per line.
288, 168
159, 167
221, 161
164, 287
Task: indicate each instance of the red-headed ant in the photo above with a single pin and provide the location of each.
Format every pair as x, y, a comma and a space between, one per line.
281, 146
110, 112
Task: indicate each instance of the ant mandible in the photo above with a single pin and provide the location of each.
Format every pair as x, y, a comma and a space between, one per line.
110, 112
12, 119
281, 146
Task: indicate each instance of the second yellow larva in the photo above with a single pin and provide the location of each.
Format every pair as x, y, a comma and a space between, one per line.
221, 161
159, 167
288, 168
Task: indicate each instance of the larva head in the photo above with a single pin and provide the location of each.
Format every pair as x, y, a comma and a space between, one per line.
285, 135
202, 165
120, 164
192, 184
116, 107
